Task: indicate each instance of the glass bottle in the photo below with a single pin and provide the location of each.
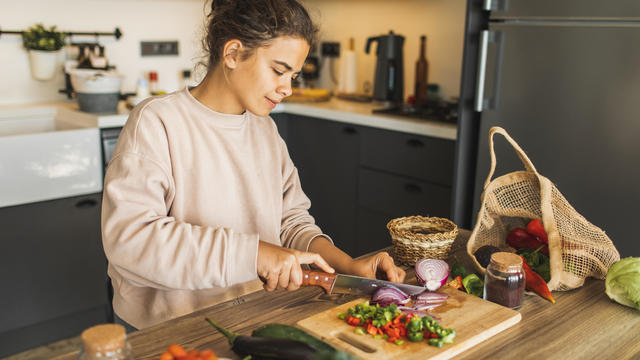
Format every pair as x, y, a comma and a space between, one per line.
105, 342
422, 74
153, 83
186, 78
504, 280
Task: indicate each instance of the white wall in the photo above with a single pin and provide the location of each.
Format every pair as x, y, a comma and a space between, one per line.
139, 20
442, 21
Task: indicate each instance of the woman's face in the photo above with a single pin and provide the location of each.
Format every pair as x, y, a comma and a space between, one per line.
264, 79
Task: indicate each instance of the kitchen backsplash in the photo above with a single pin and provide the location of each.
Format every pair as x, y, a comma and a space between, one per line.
183, 21
442, 21
139, 20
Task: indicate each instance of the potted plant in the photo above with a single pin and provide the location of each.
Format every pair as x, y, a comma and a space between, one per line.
43, 46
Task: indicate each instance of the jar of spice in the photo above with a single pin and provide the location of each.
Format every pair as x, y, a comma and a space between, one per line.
504, 280
105, 342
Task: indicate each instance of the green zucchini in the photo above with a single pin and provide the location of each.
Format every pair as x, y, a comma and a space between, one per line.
286, 332
280, 331
267, 348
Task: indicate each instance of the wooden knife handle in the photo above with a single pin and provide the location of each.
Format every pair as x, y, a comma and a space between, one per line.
318, 278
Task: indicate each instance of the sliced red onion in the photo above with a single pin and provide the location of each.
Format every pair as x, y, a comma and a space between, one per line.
430, 296
426, 306
410, 310
423, 303
387, 295
432, 273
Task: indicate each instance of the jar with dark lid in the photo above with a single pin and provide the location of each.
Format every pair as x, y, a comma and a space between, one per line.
105, 342
504, 280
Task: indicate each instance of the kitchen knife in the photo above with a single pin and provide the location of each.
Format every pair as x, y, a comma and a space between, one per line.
350, 284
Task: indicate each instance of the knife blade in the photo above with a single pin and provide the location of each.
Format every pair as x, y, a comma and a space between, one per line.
351, 284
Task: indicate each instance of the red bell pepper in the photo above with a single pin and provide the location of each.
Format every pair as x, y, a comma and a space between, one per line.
519, 238
536, 283
535, 228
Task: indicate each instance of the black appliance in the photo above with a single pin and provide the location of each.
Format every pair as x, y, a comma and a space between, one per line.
109, 138
562, 78
388, 84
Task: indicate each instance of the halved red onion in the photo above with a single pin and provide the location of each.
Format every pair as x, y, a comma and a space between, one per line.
387, 295
432, 273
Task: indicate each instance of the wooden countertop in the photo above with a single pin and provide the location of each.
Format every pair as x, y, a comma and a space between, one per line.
583, 324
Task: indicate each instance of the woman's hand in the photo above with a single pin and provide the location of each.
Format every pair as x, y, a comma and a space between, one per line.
279, 268
378, 263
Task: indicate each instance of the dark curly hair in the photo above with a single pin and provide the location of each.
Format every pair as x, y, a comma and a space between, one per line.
255, 23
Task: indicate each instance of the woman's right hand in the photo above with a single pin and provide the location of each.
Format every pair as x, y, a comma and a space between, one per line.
279, 267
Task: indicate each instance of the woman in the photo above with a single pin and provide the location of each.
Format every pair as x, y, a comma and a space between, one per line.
201, 197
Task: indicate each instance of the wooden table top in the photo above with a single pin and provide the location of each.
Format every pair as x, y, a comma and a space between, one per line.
583, 324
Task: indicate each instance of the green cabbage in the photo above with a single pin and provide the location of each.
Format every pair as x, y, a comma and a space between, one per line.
623, 282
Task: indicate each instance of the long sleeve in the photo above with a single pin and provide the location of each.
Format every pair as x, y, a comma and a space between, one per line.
152, 249
188, 195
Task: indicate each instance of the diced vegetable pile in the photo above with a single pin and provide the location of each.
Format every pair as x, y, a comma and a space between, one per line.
391, 324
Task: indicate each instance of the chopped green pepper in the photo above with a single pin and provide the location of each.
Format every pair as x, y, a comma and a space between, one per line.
415, 336
473, 285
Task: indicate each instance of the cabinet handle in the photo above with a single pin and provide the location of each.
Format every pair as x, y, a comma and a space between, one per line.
412, 188
415, 143
349, 130
86, 203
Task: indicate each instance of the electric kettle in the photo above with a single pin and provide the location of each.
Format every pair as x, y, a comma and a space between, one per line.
388, 83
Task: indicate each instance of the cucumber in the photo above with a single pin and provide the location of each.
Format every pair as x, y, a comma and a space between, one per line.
280, 331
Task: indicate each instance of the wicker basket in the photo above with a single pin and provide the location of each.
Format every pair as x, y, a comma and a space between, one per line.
417, 237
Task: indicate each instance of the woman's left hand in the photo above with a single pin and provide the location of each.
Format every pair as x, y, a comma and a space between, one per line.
380, 262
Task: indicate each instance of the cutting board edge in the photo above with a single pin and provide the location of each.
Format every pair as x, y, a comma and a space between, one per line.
475, 340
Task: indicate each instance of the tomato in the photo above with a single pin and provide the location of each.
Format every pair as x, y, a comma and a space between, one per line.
177, 351
166, 356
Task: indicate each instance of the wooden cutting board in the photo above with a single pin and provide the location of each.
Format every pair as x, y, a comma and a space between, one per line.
473, 318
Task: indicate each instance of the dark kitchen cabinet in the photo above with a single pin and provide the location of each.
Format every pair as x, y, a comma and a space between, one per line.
326, 155
358, 177
52, 271
282, 122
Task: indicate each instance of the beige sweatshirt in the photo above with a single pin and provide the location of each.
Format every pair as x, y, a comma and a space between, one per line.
187, 195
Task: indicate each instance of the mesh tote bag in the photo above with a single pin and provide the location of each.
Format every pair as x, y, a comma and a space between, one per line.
577, 248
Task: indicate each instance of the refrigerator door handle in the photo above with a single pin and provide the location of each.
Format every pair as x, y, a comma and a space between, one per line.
482, 68
493, 5
486, 37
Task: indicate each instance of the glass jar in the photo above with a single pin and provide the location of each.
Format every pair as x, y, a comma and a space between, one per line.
504, 280
105, 342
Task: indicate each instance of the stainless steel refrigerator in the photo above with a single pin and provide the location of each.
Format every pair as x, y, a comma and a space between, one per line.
563, 78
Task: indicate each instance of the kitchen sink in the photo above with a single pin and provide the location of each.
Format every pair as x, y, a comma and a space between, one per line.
44, 156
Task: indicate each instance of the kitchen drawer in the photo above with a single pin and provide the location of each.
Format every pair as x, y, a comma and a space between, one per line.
400, 196
51, 260
426, 158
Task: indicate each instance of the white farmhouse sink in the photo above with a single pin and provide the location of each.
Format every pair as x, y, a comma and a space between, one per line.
43, 157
